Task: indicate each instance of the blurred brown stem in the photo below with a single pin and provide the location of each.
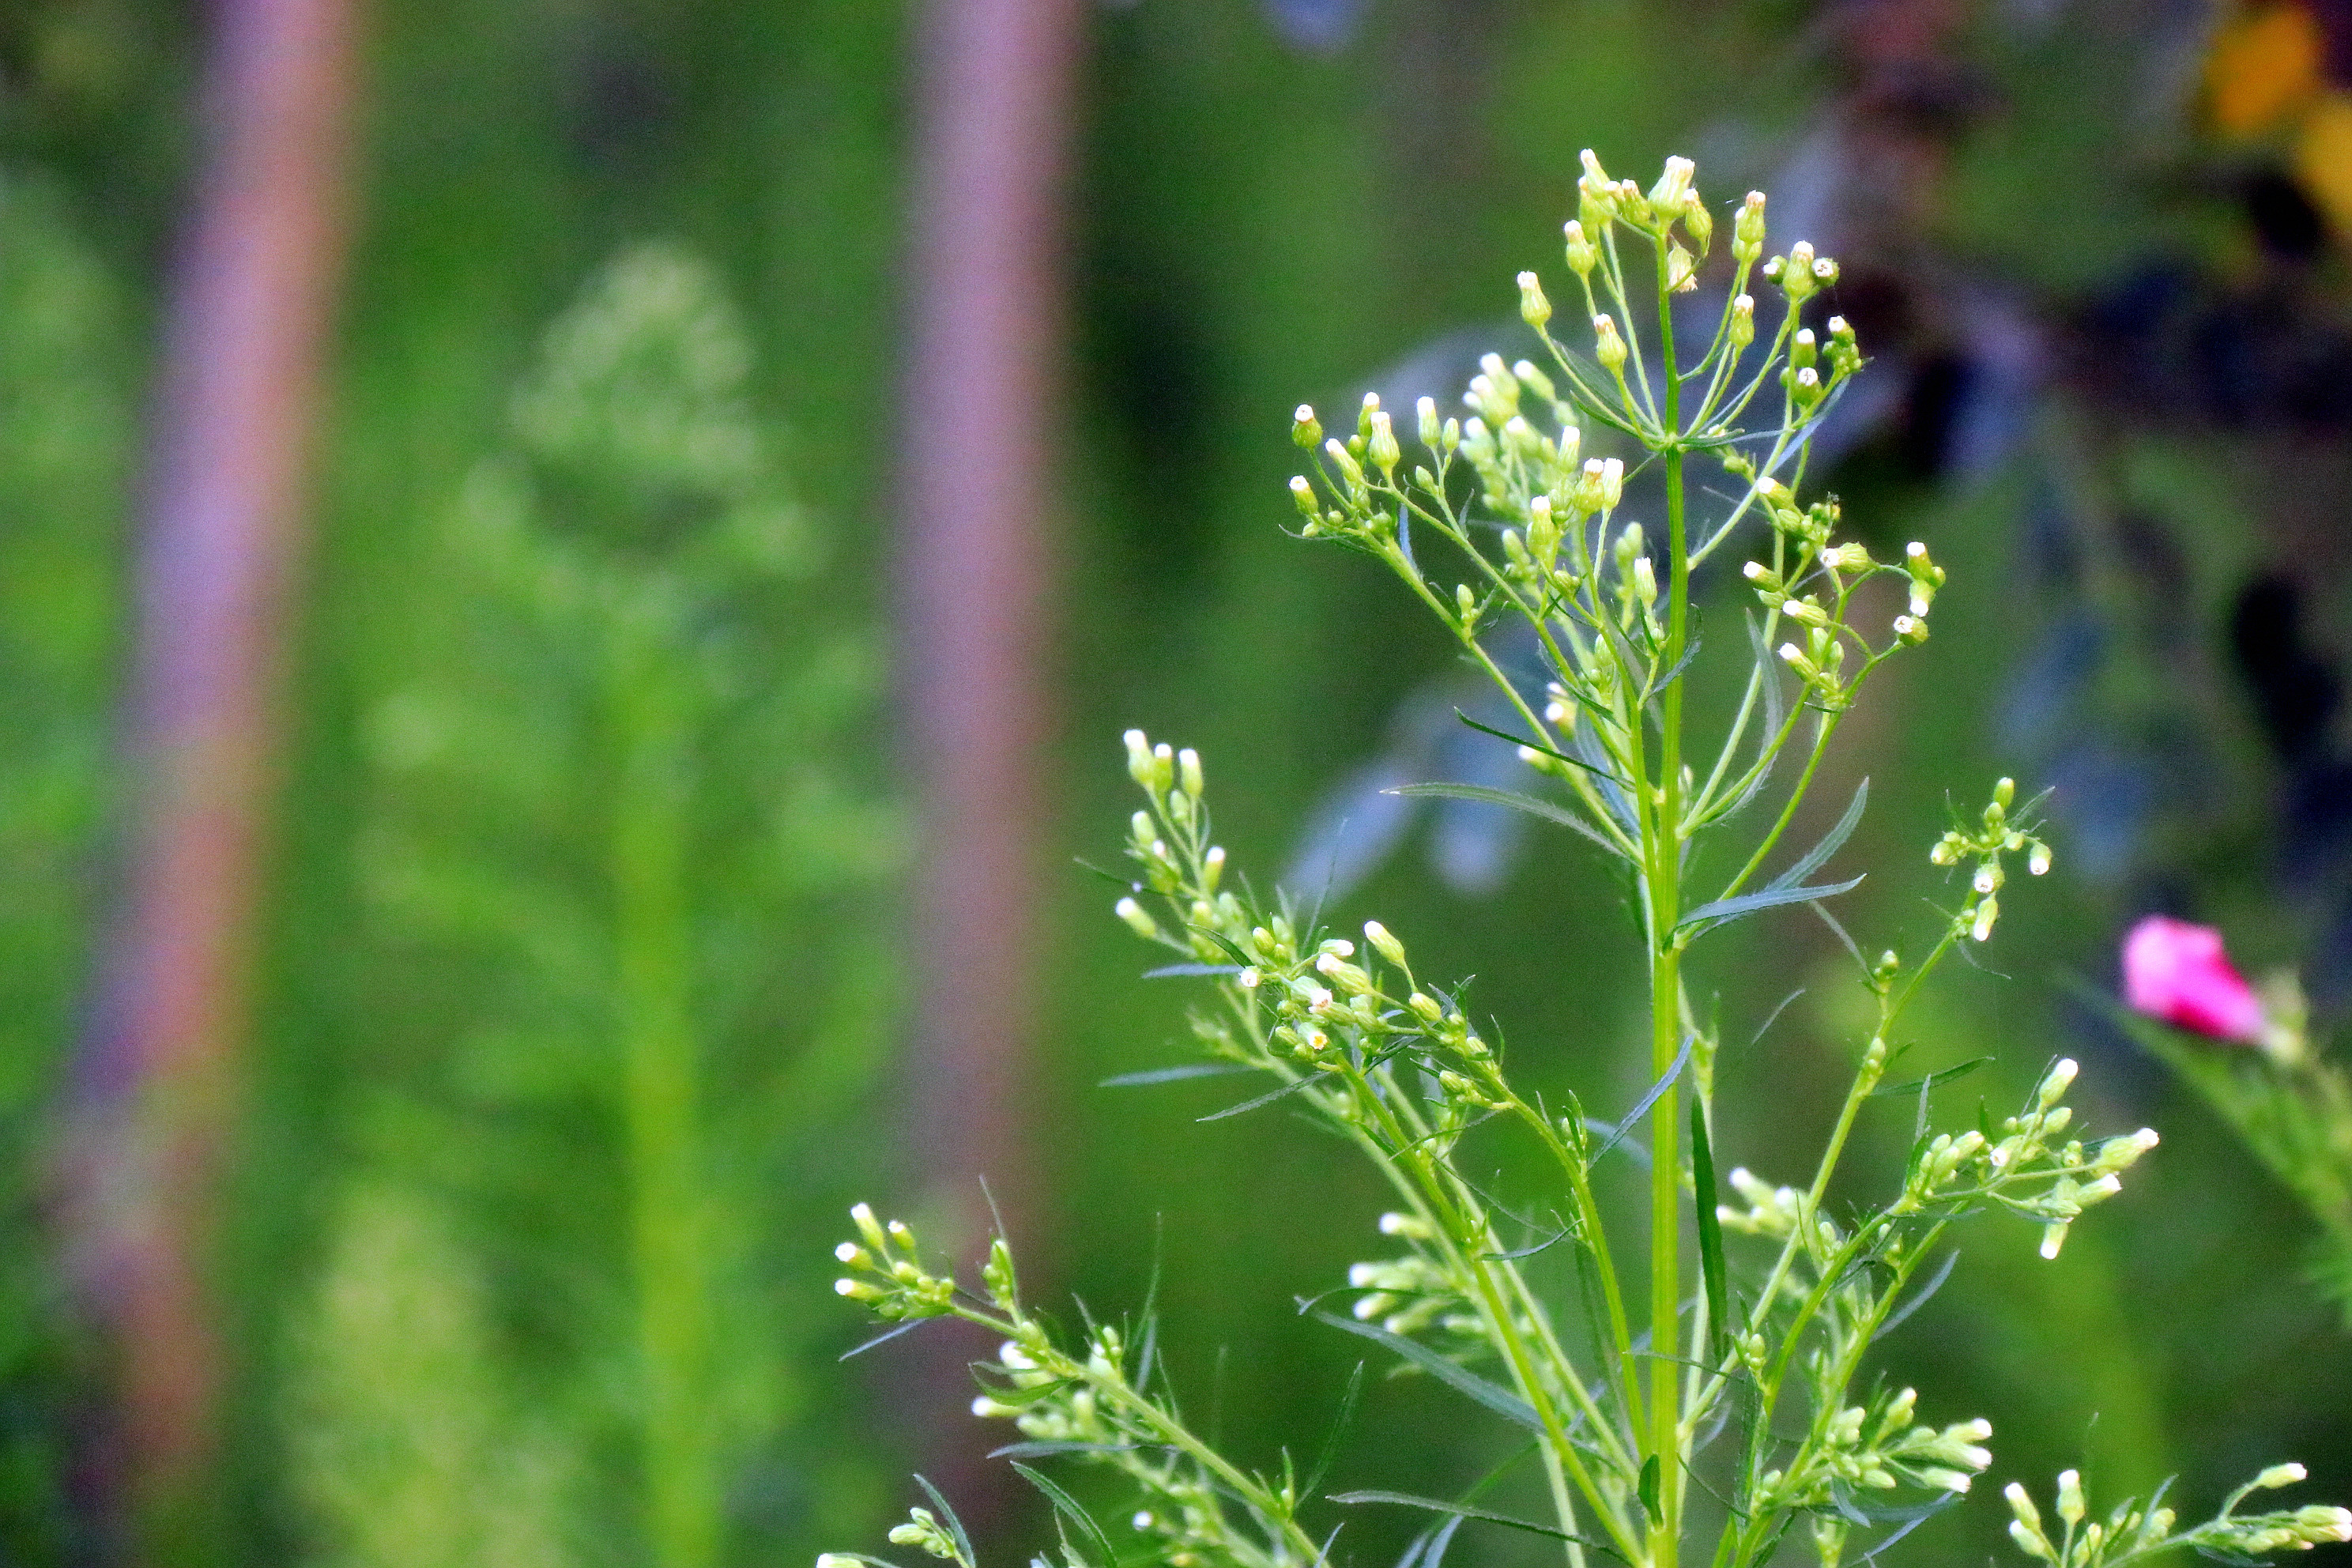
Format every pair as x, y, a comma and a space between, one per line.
995, 97
237, 406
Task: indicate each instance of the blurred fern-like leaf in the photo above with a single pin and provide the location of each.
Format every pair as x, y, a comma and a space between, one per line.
626, 859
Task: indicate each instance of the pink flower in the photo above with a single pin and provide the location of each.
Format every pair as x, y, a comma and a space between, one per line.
2177, 972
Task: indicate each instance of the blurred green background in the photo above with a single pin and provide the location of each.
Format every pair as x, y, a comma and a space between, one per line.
595, 770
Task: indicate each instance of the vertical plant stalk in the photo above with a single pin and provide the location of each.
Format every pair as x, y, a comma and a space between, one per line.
247, 343
660, 1054
1665, 982
995, 91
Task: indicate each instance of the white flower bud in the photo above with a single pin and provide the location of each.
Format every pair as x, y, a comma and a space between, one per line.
1188, 770
1534, 309
1607, 346
1742, 326
1383, 449
1138, 920
1582, 256
1425, 415
2070, 1497
1666, 198
1748, 229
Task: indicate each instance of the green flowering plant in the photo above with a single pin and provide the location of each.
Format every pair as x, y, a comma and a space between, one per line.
1722, 1354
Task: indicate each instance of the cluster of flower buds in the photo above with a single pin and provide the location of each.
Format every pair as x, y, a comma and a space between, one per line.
1771, 1211
1879, 1449
884, 1273
1405, 1294
1926, 577
1819, 663
1673, 200
2131, 1530
1802, 274
923, 1529
1997, 834
1169, 842
2023, 1167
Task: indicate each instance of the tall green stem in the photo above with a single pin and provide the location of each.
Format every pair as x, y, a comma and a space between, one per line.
654, 1003
1665, 876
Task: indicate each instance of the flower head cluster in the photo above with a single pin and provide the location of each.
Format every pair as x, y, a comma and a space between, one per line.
2000, 831
1877, 1447
2024, 1168
2133, 1530
884, 1273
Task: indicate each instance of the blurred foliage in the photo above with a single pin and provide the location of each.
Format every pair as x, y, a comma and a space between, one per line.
1276, 202
626, 974
64, 441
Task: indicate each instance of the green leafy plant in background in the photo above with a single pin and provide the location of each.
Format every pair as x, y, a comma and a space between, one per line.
1709, 1392
623, 871
65, 444
2286, 1100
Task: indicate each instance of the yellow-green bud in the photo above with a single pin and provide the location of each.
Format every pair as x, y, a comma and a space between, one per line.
1697, 222
1384, 451
1534, 309
1741, 331
1682, 270
1748, 228
1608, 347
1582, 256
1304, 428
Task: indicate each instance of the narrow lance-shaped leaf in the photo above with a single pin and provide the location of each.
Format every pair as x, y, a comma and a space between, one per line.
1710, 1232
1347, 1412
1501, 1401
1726, 910
1632, 1118
1533, 806
1830, 841
1068, 1508
1461, 1511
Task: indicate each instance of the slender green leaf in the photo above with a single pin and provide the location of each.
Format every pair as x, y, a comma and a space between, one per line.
1537, 746
1641, 1106
1673, 672
1428, 1548
1919, 1297
1068, 1508
1459, 1511
1648, 1489
1175, 1074
1339, 1429
947, 1517
1934, 1080
1725, 910
1293, 1087
1532, 804
1710, 1231
1189, 971
1831, 842
1501, 1401
910, 1326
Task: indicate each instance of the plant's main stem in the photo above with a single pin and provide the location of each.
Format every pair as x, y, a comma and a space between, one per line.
1665, 876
